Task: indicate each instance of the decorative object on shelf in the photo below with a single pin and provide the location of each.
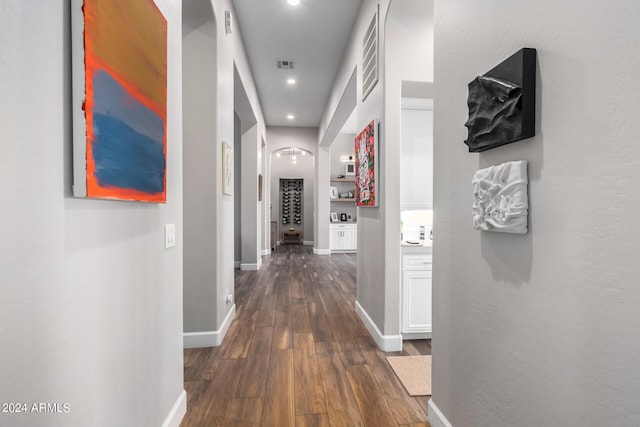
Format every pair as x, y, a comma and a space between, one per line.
259, 187
119, 100
366, 145
343, 217
502, 103
227, 169
350, 167
500, 200
334, 217
333, 192
349, 217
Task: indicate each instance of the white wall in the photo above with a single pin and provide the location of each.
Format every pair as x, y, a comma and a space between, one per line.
237, 183
342, 147
541, 329
408, 57
210, 316
371, 260
281, 137
200, 178
401, 58
91, 301
250, 229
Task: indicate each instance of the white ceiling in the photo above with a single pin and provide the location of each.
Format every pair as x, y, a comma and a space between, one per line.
313, 34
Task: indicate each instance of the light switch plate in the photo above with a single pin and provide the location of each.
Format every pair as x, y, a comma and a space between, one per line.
169, 235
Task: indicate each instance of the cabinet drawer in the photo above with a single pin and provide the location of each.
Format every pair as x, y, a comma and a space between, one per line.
342, 226
417, 262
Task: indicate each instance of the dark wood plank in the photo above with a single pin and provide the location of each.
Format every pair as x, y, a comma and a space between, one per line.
309, 396
267, 314
239, 345
341, 404
373, 407
282, 331
319, 323
405, 408
313, 420
220, 392
417, 347
278, 401
301, 323
350, 353
196, 399
245, 412
254, 376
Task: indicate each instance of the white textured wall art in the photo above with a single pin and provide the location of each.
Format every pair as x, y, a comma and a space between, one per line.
500, 200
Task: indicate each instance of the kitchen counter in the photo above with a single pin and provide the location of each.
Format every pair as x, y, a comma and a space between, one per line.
425, 247
423, 243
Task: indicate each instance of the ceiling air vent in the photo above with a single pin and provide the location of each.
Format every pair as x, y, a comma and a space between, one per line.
285, 65
370, 56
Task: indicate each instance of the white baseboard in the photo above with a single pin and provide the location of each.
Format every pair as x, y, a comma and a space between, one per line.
252, 266
307, 242
385, 342
266, 252
178, 411
236, 264
416, 335
317, 251
209, 338
436, 417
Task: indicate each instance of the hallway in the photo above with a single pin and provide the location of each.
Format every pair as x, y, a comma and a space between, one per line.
297, 354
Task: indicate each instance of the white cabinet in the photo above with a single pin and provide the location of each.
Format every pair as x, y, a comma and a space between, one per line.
416, 155
416, 296
343, 237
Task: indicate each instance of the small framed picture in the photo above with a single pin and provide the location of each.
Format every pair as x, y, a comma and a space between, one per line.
343, 217
333, 191
334, 217
350, 169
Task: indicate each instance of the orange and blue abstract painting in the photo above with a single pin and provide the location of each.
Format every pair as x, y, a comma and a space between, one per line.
125, 104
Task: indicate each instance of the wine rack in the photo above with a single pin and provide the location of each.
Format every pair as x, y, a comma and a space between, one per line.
291, 203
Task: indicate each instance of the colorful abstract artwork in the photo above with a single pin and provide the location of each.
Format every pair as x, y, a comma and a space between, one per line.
120, 100
367, 165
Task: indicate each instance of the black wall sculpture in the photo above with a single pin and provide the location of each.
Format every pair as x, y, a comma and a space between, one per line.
502, 103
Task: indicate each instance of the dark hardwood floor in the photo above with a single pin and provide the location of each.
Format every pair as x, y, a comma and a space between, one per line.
298, 355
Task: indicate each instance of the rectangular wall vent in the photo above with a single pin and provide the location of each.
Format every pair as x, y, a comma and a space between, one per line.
285, 65
370, 56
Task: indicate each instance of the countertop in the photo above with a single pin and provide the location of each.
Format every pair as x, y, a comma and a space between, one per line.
425, 246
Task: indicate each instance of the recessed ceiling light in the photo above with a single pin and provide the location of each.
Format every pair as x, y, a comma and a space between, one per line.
293, 2
291, 81
290, 117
